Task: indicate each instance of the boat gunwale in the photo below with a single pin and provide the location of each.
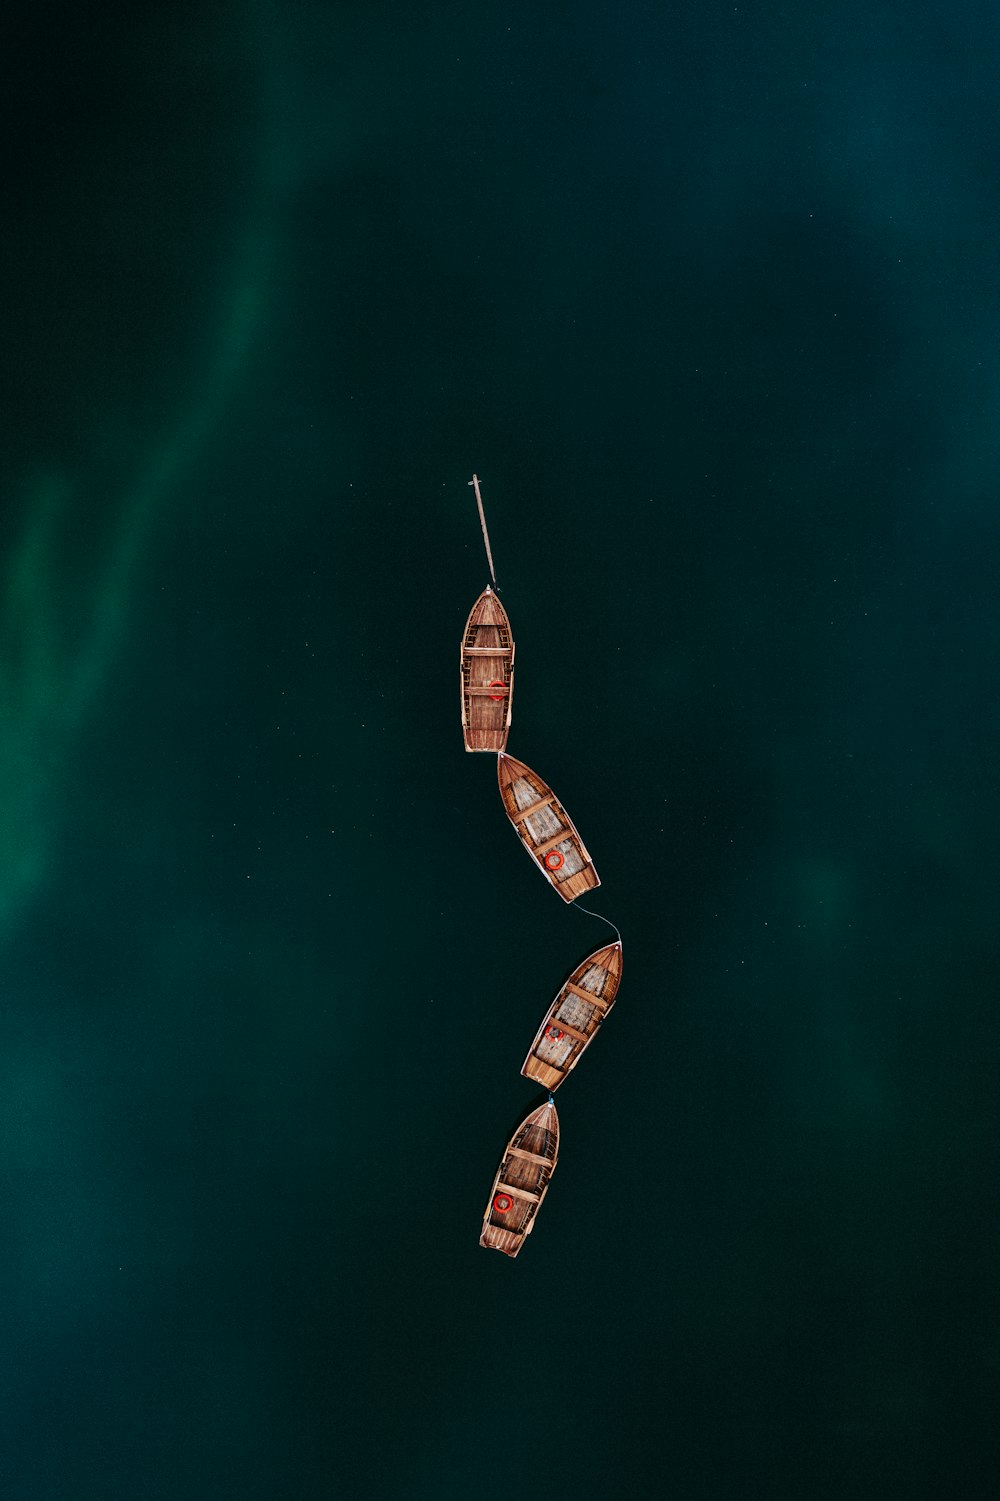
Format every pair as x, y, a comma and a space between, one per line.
601, 1004
538, 851
534, 1117
505, 655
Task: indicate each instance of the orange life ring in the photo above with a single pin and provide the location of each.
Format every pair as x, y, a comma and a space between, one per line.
556, 1033
553, 860
503, 1203
496, 698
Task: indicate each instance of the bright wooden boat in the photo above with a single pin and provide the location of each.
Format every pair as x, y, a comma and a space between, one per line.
546, 829
522, 1181
487, 662
574, 1017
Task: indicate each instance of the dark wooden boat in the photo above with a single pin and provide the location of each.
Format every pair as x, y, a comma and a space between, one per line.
487, 662
521, 1181
574, 1017
546, 829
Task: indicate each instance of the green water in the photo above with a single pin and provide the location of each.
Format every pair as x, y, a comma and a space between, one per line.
708, 299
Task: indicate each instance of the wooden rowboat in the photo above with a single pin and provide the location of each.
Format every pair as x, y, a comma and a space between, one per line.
522, 1181
546, 829
574, 1017
487, 662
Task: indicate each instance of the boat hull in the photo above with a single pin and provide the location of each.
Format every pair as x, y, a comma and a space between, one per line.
574, 1017
486, 663
521, 1182
546, 829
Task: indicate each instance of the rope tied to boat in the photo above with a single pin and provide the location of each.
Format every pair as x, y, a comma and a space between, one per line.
591, 913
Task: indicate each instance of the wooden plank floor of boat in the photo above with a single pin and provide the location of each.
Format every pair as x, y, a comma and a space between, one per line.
545, 829
487, 675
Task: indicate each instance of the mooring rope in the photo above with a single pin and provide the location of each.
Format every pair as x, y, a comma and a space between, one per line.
579, 907
474, 482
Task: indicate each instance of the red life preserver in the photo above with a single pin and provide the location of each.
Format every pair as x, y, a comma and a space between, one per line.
553, 860
496, 698
556, 1033
503, 1203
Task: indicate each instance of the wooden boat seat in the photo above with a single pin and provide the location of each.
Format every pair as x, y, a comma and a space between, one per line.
487, 651
529, 1156
543, 802
586, 995
518, 1193
555, 1021
550, 844
489, 690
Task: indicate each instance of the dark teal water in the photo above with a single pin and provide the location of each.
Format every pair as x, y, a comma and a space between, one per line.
709, 300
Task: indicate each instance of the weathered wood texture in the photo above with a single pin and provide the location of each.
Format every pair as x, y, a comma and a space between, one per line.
572, 1020
522, 1181
546, 829
487, 673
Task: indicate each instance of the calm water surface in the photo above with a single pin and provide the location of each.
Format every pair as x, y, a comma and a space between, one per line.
708, 300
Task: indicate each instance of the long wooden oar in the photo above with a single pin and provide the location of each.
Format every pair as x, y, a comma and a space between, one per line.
474, 482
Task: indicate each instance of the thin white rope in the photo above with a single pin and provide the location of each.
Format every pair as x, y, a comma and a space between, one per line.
591, 913
474, 482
